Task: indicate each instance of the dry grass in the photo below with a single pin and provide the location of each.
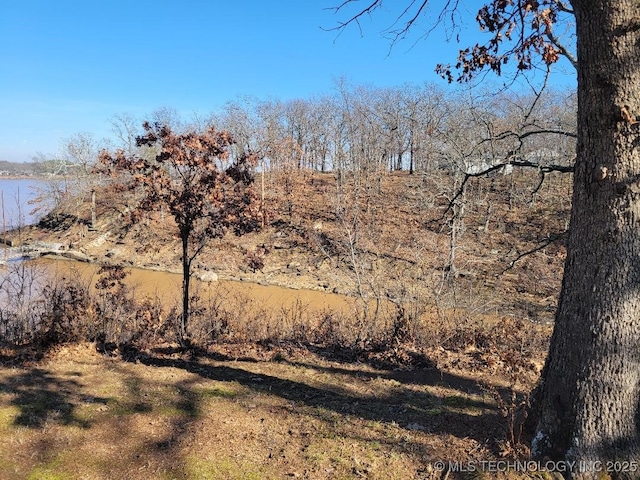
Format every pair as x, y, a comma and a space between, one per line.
229, 414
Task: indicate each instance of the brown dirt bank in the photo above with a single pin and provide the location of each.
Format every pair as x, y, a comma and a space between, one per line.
390, 241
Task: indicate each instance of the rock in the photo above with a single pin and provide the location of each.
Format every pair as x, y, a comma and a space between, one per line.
75, 255
114, 252
294, 266
207, 276
416, 426
99, 241
272, 269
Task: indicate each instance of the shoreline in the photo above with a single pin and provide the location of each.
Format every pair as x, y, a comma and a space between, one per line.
53, 251
38, 178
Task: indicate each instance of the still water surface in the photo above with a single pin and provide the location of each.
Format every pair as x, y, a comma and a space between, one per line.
167, 287
16, 197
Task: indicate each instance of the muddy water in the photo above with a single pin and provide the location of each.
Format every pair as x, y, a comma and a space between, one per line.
168, 288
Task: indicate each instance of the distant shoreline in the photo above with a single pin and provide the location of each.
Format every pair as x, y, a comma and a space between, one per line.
28, 177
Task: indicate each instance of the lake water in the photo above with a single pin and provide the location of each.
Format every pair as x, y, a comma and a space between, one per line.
15, 196
256, 310
167, 287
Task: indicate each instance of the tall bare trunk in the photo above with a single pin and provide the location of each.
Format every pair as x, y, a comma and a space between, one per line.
587, 403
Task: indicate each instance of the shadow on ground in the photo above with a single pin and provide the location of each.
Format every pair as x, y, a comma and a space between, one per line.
42, 398
421, 400
413, 409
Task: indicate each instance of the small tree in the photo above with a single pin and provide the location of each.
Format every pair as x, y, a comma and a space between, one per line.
206, 189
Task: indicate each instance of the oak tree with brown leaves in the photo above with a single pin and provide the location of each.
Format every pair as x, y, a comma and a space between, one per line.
194, 175
587, 406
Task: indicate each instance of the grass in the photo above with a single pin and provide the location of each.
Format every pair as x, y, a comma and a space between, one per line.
79, 414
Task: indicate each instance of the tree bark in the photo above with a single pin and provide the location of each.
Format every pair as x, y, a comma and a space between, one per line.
93, 208
587, 404
186, 280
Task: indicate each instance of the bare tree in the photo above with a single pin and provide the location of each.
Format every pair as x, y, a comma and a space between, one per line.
125, 127
241, 119
69, 179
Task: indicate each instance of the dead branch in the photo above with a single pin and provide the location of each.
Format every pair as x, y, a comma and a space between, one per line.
544, 169
550, 239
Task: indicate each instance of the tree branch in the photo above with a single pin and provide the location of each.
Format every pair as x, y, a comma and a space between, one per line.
494, 168
563, 7
521, 136
550, 239
563, 50
353, 19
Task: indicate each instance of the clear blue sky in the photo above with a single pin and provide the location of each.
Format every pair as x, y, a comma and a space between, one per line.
69, 66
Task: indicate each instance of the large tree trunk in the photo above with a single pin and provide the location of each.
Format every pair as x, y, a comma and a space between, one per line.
587, 406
